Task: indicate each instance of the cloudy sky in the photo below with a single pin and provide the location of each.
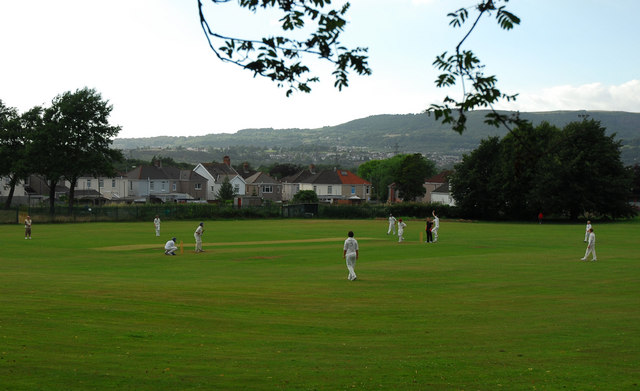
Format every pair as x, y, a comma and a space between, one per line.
151, 60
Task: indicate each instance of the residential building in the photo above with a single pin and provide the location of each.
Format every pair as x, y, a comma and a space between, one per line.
165, 184
23, 193
262, 185
113, 189
442, 195
293, 183
433, 183
330, 185
215, 174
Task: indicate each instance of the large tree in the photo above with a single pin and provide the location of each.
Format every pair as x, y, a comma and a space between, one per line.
521, 153
12, 147
584, 174
83, 119
570, 172
75, 140
475, 183
47, 161
410, 179
381, 173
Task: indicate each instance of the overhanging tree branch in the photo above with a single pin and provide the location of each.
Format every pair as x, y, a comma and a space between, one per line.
465, 67
280, 58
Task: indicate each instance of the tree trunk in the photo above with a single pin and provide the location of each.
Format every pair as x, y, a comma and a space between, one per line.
12, 184
52, 196
72, 188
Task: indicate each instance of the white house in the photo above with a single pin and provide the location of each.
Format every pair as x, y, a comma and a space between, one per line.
215, 173
442, 195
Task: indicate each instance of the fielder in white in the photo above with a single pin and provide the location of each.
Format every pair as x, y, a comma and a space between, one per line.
591, 247
392, 224
436, 225
156, 224
401, 226
586, 233
198, 236
350, 254
170, 247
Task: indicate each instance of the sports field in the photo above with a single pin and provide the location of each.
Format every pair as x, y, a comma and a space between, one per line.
267, 306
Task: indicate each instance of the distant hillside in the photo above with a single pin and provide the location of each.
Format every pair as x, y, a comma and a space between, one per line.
404, 133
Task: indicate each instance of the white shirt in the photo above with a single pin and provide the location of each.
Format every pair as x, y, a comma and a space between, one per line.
350, 246
436, 222
156, 222
392, 220
401, 226
588, 227
592, 239
170, 245
198, 231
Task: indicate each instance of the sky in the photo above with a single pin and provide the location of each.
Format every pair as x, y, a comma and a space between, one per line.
150, 59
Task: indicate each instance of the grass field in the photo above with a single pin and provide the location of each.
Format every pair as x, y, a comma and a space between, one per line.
267, 306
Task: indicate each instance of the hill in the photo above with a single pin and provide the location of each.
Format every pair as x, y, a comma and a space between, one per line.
393, 133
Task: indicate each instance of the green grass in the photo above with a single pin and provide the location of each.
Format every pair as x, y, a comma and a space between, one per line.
268, 307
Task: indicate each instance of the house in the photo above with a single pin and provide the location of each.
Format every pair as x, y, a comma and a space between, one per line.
38, 187
215, 174
433, 183
163, 184
23, 193
110, 188
264, 186
442, 195
330, 185
292, 184
430, 185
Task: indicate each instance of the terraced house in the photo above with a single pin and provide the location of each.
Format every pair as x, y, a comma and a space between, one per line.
339, 186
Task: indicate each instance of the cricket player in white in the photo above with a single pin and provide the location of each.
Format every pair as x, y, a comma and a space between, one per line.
586, 233
401, 226
170, 247
156, 224
436, 225
591, 247
392, 225
350, 254
198, 236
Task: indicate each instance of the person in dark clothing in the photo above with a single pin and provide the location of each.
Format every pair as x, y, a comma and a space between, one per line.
429, 233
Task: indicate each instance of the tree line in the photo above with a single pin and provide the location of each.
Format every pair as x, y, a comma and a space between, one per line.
70, 138
569, 172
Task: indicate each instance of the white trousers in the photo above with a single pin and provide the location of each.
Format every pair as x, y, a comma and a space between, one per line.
434, 232
351, 264
392, 227
590, 250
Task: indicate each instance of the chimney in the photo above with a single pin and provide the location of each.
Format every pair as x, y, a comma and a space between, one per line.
245, 167
227, 160
312, 168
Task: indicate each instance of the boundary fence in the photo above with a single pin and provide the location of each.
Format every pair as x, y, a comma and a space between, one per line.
147, 212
